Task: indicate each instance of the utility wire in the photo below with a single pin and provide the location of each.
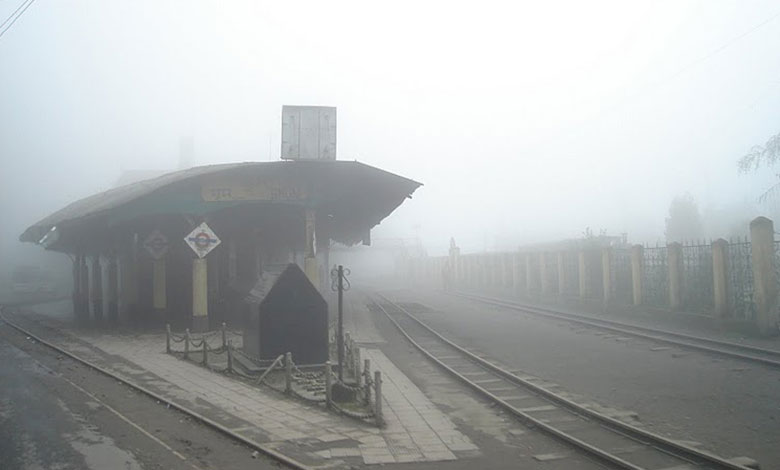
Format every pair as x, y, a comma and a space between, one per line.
14, 13
30, 2
723, 46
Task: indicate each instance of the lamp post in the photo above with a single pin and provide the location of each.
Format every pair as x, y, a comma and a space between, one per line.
338, 276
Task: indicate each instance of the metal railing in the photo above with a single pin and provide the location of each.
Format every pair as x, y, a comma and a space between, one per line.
312, 385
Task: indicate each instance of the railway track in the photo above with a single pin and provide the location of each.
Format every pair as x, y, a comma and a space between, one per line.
280, 459
744, 352
603, 438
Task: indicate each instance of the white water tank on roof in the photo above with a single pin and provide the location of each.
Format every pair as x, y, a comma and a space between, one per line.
308, 133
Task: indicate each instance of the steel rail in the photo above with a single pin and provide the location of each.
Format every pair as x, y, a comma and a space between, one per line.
206, 421
662, 444
654, 334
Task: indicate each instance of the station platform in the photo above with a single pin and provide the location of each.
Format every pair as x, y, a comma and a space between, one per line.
416, 429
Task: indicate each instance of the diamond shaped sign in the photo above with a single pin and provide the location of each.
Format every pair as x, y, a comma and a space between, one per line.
156, 244
202, 240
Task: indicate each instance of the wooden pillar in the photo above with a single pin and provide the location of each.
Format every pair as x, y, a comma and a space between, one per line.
606, 274
232, 269
637, 258
159, 289
76, 294
128, 290
112, 304
200, 300
720, 277
675, 267
764, 276
96, 290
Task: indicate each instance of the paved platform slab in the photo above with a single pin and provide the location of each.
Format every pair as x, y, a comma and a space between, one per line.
416, 431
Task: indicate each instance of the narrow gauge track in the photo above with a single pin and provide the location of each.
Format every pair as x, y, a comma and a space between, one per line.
607, 440
745, 352
280, 458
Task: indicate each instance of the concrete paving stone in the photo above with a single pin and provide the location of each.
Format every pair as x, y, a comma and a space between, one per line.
378, 459
370, 439
407, 458
410, 414
330, 437
345, 452
437, 456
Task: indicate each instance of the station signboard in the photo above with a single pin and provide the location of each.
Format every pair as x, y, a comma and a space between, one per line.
202, 240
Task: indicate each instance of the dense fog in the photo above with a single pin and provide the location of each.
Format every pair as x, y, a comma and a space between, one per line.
527, 122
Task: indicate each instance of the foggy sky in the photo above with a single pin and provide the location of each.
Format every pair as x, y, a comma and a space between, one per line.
525, 123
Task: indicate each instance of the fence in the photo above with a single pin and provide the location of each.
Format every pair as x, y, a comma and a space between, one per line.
620, 275
697, 278
692, 277
314, 384
655, 277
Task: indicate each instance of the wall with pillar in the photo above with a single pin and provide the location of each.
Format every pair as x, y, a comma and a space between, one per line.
626, 273
765, 280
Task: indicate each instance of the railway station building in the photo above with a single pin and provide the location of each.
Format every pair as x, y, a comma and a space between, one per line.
190, 247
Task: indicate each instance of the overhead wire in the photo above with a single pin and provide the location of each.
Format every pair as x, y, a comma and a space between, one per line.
14, 13
26, 4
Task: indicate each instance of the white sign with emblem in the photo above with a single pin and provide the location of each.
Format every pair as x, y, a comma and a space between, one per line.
156, 244
202, 240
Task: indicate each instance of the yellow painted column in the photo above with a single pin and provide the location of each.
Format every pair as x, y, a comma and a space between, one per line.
765, 291
584, 284
200, 300
561, 273
159, 294
606, 274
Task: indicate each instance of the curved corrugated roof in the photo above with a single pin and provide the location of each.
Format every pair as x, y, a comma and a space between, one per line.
343, 173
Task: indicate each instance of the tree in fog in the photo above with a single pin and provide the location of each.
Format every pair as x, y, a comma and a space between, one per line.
766, 155
684, 221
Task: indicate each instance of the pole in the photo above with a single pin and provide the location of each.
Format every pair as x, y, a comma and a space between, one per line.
327, 384
230, 356
378, 398
288, 373
340, 339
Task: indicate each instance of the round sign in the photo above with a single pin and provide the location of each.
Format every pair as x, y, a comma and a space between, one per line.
202, 240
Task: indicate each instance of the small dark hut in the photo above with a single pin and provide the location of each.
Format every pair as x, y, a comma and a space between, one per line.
291, 317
